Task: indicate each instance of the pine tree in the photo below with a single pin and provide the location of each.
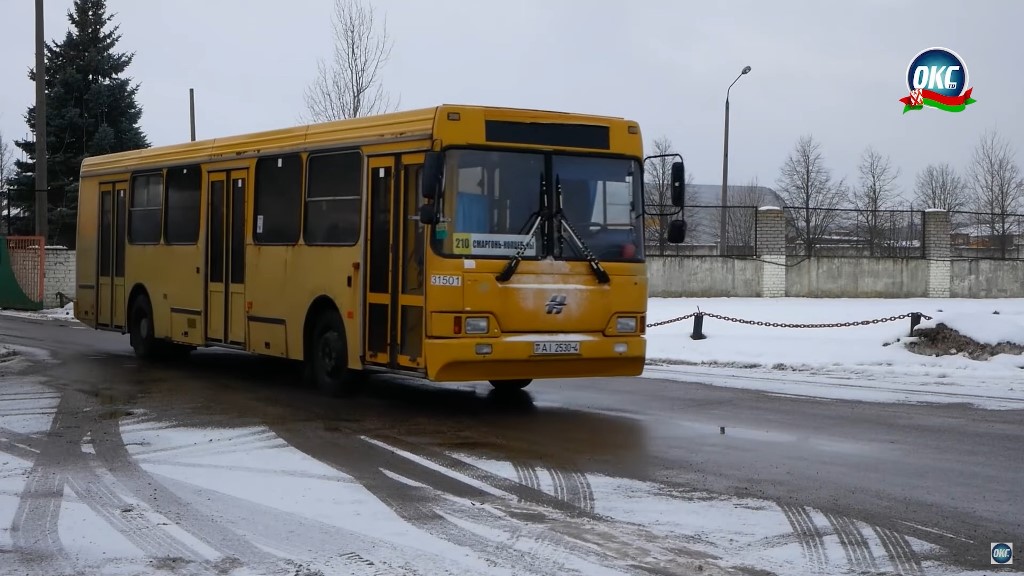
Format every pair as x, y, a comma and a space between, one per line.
91, 110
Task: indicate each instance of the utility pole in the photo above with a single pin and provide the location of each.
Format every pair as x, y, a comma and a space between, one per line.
41, 185
192, 111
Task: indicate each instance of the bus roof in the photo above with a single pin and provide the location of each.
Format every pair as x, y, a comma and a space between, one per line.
396, 126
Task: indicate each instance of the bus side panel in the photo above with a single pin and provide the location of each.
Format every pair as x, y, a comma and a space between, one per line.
183, 287
183, 263
271, 282
147, 266
86, 244
324, 271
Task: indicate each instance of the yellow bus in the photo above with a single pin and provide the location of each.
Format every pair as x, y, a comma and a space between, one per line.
454, 243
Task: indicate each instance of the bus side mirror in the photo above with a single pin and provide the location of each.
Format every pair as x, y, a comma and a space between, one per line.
427, 214
678, 183
676, 232
433, 172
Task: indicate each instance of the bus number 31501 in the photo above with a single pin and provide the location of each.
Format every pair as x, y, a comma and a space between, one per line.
445, 280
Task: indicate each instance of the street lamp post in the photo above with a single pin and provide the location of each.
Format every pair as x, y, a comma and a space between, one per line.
722, 241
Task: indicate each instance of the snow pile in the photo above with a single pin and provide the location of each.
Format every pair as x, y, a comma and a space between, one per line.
6, 352
65, 313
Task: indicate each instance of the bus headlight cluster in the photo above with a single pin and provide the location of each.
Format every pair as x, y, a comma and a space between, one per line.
477, 325
625, 324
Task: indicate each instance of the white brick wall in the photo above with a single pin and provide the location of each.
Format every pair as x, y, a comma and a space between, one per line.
773, 276
939, 278
771, 248
937, 250
60, 276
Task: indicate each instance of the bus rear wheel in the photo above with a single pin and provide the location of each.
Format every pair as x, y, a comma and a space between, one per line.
503, 385
140, 331
328, 360
142, 335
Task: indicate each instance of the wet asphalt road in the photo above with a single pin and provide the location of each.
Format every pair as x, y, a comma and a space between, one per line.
947, 475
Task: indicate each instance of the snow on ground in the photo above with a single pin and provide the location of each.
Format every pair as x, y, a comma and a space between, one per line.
746, 532
860, 362
65, 313
287, 508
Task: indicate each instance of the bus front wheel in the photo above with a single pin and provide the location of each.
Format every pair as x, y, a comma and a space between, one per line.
329, 356
503, 385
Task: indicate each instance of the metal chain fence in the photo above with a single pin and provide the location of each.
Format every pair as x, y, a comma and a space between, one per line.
914, 317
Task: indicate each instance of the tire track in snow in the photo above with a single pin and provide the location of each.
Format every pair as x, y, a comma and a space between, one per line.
61, 464
35, 526
902, 556
527, 494
297, 535
18, 445
111, 450
618, 539
858, 552
364, 460
807, 535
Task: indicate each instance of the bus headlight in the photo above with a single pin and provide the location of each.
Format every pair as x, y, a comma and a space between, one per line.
625, 324
477, 325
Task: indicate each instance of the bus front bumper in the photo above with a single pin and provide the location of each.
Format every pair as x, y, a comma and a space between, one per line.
516, 356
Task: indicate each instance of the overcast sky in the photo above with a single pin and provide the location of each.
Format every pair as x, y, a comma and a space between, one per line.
835, 70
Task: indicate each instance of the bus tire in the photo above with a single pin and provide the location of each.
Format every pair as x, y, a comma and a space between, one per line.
140, 331
328, 360
504, 385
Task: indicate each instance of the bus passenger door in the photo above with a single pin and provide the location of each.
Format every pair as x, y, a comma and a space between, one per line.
110, 307
410, 260
225, 258
377, 319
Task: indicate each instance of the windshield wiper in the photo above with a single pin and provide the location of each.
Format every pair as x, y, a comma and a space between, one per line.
595, 265
542, 214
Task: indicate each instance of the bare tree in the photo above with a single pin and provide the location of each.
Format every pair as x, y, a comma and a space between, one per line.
350, 86
810, 193
997, 183
741, 224
875, 194
6, 173
939, 186
658, 195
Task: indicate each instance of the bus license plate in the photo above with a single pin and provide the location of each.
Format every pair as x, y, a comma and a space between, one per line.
556, 347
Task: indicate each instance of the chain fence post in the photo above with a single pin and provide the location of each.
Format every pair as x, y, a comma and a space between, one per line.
915, 320
698, 327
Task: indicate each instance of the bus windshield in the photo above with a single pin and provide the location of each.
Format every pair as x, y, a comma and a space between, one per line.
493, 197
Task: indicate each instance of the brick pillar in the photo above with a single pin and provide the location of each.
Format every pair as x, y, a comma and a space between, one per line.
937, 250
771, 248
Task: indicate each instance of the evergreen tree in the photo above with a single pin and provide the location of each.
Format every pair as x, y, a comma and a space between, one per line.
91, 110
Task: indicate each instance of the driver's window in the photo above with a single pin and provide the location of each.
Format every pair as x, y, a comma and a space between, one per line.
612, 205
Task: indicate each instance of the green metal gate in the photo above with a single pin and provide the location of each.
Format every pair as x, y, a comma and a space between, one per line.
22, 272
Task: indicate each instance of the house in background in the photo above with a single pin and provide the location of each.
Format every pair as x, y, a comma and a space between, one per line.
13, 220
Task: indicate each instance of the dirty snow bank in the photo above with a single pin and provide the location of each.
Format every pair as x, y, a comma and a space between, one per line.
65, 313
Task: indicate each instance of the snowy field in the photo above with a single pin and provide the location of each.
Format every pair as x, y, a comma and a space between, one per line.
860, 362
